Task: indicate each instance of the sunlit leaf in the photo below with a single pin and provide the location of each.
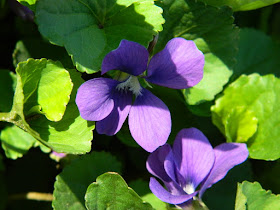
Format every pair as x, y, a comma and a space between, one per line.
253, 196
110, 191
90, 29
241, 5
249, 102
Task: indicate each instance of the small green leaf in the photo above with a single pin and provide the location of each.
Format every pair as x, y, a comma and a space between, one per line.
241, 5
92, 28
16, 142
46, 87
110, 191
71, 185
263, 58
215, 35
6, 90
248, 103
253, 196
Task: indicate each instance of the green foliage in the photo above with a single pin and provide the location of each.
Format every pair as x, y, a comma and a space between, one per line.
29, 3
6, 90
215, 75
241, 5
263, 57
253, 196
16, 142
34, 96
252, 101
71, 185
92, 28
215, 35
46, 87
110, 191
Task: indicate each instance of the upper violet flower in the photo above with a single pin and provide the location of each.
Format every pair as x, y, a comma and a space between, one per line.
179, 65
191, 162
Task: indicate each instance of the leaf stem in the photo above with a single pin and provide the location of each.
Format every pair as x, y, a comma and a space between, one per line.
31, 196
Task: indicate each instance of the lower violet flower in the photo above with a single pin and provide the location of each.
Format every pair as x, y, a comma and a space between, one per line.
192, 162
179, 65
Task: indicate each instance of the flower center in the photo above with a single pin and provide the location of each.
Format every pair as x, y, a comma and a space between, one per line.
189, 188
132, 84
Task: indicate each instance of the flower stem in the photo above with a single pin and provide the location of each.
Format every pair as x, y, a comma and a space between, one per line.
32, 196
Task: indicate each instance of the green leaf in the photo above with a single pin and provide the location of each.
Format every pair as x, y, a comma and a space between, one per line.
46, 87
215, 35
16, 142
110, 191
240, 124
28, 3
71, 185
263, 58
253, 196
72, 134
142, 188
252, 100
6, 90
241, 5
89, 29
215, 75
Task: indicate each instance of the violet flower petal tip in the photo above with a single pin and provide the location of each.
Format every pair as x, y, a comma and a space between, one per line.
94, 98
166, 196
179, 65
194, 155
129, 57
227, 156
149, 121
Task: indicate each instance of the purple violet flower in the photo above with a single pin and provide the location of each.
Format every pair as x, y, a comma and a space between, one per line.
179, 65
191, 162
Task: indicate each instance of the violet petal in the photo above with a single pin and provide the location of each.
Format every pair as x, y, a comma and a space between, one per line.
155, 165
194, 155
179, 65
114, 121
227, 156
166, 196
149, 121
155, 162
94, 98
129, 57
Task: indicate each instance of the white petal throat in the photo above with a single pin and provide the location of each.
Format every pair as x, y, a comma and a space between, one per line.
132, 84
